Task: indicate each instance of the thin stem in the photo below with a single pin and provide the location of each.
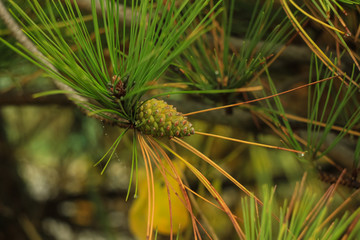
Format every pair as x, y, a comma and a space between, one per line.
258, 99
250, 143
150, 185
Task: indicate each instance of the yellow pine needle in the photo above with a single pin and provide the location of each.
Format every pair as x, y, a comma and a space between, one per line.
338, 209
250, 143
283, 131
217, 167
150, 182
314, 18
155, 145
211, 190
258, 99
165, 173
316, 210
249, 89
299, 190
170, 192
325, 199
298, 26
213, 164
312, 45
204, 199
321, 124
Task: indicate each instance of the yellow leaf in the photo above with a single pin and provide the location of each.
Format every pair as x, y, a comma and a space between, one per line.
139, 208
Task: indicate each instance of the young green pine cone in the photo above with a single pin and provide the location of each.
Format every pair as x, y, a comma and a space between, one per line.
158, 119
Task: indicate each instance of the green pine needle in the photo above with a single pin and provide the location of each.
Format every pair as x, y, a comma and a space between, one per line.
158, 34
306, 221
207, 68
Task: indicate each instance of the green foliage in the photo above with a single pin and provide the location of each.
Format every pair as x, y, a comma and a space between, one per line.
117, 66
214, 65
153, 43
327, 5
327, 103
306, 216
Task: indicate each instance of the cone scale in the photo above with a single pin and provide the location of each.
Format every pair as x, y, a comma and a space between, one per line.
159, 119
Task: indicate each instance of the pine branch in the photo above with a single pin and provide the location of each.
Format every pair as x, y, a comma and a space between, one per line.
21, 38
239, 117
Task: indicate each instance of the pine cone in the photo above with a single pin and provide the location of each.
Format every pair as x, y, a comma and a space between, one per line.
158, 119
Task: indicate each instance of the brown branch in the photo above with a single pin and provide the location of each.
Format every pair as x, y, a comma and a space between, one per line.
239, 118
